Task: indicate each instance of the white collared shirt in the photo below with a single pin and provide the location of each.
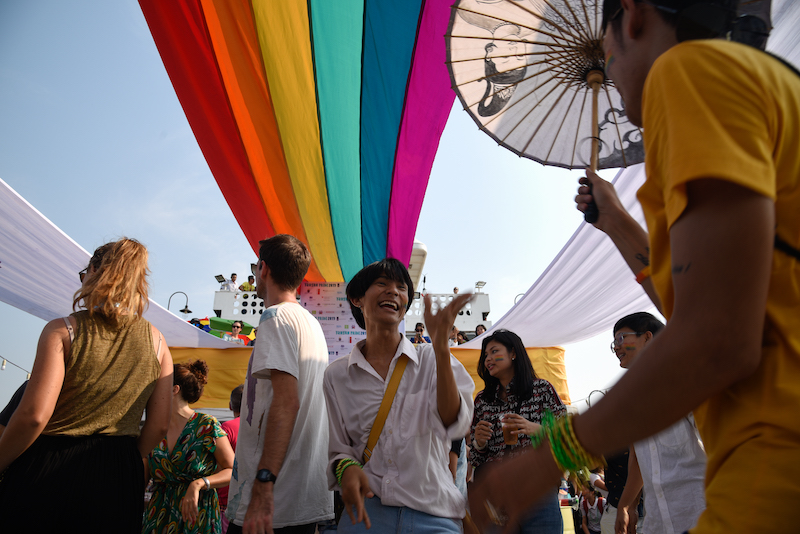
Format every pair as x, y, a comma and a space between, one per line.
409, 466
673, 466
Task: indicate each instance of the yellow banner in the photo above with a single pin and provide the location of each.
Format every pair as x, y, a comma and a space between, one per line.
228, 368
548, 364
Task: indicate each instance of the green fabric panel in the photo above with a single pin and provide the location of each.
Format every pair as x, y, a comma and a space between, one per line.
336, 34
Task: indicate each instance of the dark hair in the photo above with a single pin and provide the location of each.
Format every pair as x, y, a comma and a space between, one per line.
524, 375
479, 326
192, 378
389, 268
639, 322
689, 24
288, 260
418, 325
241, 324
233, 274
236, 398
251, 277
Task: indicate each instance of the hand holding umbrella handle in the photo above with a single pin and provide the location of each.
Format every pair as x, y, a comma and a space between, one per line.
591, 213
594, 79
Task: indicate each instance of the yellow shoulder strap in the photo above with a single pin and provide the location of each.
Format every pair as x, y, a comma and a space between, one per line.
386, 405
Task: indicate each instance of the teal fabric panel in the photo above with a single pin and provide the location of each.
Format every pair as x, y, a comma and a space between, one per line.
390, 31
336, 35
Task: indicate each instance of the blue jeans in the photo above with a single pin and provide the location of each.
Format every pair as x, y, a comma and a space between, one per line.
398, 520
544, 518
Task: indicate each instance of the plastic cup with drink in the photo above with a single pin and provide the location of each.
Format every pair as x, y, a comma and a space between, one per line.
508, 427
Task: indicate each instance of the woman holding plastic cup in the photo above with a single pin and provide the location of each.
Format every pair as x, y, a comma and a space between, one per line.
507, 411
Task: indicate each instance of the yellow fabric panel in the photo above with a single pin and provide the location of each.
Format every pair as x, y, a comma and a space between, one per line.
227, 369
548, 364
236, 49
284, 36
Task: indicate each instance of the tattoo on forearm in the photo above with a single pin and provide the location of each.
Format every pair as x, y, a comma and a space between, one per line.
644, 258
680, 269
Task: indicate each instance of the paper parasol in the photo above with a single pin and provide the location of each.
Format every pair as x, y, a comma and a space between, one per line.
530, 73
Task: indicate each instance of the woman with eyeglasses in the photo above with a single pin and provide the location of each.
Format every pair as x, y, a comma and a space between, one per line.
233, 335
73, 452
514, 398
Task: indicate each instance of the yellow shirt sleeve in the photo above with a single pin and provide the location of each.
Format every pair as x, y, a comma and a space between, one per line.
704, 118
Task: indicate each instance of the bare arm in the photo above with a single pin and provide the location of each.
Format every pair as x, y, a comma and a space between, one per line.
39, 401
630, 495
280, 423
223, 454
722, 254
721, 257
439, 325
628, 236
159, 405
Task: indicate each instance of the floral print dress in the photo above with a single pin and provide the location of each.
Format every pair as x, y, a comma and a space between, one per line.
191, 458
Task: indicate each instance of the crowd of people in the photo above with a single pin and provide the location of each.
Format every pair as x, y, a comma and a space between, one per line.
392, 426
456, 337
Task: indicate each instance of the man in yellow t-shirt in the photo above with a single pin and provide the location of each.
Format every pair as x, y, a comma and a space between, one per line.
722, 261
249, 285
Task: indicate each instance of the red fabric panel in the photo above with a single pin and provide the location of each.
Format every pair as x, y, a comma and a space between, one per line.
180, 34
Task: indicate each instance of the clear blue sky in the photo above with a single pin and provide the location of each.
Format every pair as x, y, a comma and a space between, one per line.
93, 136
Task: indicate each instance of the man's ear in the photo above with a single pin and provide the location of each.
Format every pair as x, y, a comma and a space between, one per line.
635, 18
357, 302
265, 272
648, 336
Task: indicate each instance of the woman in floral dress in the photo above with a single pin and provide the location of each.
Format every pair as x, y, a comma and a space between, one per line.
195, 458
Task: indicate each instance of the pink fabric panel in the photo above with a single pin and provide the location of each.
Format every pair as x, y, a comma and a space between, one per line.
428, 102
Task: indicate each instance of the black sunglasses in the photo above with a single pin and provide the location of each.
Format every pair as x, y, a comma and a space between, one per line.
82, 274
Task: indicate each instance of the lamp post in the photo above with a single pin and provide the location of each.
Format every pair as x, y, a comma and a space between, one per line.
185, 309
602, 392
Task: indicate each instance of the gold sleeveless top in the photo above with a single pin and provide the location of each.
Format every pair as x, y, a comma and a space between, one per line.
110, 374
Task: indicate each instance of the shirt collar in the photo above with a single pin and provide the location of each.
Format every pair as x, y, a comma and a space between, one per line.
404, 347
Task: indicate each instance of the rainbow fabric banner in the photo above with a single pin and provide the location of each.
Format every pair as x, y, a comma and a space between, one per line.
317, 118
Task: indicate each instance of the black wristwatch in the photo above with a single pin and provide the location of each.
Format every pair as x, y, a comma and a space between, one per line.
265, 475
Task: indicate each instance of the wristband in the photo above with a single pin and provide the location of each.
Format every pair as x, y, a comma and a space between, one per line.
208, 484
342, 466
643, 275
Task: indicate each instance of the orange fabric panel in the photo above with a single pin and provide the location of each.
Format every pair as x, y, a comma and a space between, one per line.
238, 54
548, 363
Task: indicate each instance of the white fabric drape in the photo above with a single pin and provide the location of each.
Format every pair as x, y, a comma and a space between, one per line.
585, 288
33, 249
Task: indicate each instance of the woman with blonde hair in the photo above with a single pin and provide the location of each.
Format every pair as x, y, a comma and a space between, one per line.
194, 459
73, 451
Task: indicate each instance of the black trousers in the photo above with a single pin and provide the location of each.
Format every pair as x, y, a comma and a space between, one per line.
233, 528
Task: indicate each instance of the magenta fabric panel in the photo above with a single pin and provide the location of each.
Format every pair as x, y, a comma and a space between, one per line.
428, 102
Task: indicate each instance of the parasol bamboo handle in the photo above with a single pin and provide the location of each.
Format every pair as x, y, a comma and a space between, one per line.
594, 79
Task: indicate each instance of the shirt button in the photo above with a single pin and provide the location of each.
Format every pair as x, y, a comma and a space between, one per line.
389, 461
